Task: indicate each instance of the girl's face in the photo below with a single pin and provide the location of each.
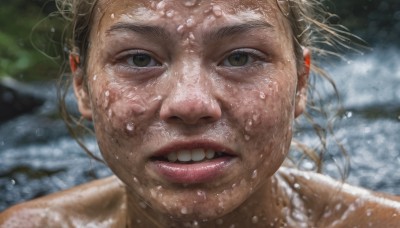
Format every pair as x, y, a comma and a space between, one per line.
192, 101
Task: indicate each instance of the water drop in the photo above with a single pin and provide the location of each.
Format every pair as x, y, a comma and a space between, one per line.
184, 210
191, 36
296, 186
130, 126
13, 182
180, 29
160, 6
246, 137
202, 194
138, 221
135, 180
112, 16
109, 113
95, 77
254, 219
262, 95
190, 3
52, 29
217, 11
170, 13
107, 93
369, 212
220, 221
190, 22
254, 174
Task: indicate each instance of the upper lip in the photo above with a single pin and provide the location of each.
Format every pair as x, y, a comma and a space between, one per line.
193, 144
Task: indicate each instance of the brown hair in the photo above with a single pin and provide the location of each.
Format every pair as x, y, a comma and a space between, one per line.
312, 28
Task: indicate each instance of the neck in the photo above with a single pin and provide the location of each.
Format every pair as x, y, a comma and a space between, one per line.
264, 206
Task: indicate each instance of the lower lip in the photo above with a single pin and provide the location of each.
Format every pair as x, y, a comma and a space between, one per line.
201, 172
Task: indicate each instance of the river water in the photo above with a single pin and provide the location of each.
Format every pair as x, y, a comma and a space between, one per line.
37, 156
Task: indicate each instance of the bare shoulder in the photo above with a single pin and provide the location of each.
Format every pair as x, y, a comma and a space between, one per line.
337, 204
99, 202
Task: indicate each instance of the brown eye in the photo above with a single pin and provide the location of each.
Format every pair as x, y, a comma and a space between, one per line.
237, 59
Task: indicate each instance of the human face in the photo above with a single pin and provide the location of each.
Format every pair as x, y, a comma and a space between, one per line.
191, 79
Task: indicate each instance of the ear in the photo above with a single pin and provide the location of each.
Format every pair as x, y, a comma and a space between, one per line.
81, 91
302, 83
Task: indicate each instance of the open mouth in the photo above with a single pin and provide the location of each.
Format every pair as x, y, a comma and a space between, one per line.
191, 156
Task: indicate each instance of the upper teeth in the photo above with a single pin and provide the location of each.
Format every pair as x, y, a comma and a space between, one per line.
190, 155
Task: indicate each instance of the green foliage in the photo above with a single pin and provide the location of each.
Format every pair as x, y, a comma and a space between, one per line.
23, 33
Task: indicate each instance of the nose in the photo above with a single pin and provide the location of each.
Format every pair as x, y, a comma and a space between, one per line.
190, 103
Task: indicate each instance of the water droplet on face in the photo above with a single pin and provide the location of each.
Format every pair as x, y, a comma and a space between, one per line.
107, 93
135, 180
180, 29
112, 16
220, 221
170, 13
369, 212
246, 137
184, 210
296, 186
262, 95
160, 6
254, 219
254, 174
95, 77
138, 221
130, 126
191, 36
190, 3
190, 22
202, 194
109, 113
217, 11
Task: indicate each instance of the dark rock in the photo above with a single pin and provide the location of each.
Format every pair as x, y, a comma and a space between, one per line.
16, 100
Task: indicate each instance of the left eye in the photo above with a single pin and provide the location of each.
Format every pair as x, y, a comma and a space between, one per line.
141, 60
241, 58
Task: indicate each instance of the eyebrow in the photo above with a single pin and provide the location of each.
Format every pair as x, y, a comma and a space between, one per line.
146, 30
232, 30
217, 34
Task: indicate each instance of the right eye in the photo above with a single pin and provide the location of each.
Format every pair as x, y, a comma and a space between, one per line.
140, 60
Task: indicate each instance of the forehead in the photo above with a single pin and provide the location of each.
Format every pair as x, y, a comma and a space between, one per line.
197, 11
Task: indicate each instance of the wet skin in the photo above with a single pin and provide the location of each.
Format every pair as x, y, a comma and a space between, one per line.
167, 76
213, 76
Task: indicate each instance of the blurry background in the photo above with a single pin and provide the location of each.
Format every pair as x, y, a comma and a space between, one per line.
37, 156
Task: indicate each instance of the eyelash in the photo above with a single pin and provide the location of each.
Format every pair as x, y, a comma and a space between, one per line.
127, 57
253, 56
